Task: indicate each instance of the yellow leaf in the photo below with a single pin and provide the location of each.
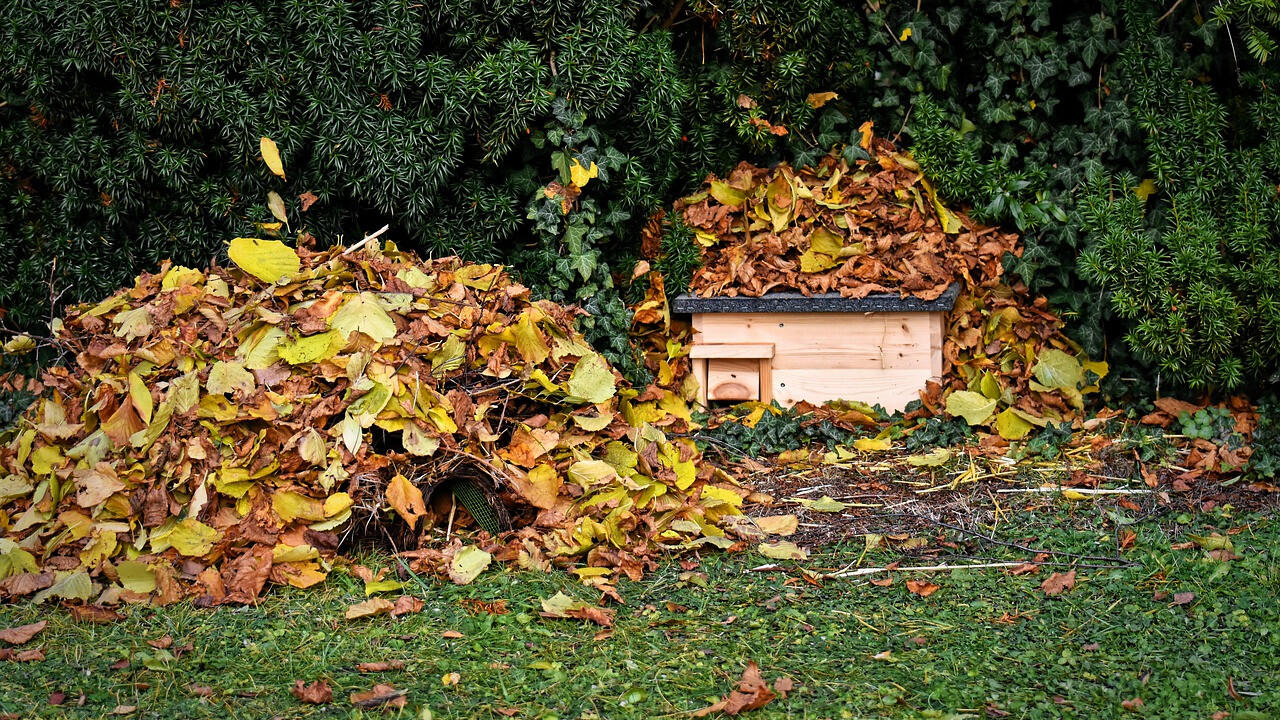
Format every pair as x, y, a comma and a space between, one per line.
950, 222
1011, 426
136, 576
580, 175
906, 34
865, 135
406, 499
591, 380
1145, 189
726, 194
225, 377
290, 506
276, 205
817, 100
271, 155
268, 260
188, 536
363, 314
336, 503
783, 525
467, 564
782, 550
282, 553
711, 492
370, 607
872, 444
541, 486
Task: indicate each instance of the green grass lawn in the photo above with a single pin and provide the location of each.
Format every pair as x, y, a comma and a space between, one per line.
984, 644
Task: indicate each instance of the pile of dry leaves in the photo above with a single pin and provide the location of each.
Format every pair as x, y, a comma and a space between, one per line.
216, 430
878, 226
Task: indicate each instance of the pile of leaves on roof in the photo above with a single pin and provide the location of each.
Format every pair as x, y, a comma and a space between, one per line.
874, 224
216, 430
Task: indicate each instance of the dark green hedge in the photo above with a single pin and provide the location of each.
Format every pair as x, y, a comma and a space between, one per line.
129, 134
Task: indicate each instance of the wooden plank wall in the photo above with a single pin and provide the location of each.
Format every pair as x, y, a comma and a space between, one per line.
872, 357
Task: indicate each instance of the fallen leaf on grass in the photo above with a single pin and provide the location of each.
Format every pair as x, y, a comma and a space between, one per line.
452, 634
783, 550
1058, 583
36, 655
923, 588
1132, 704
380, 666
883, 582
316, 693
22, 633
381, 694
1183, 598
406, 605
507, 711
369, 608
162, 643
1024, 569
93, 614
783, 685
450, 679
200, 690
563, 606
751, 693
125, 710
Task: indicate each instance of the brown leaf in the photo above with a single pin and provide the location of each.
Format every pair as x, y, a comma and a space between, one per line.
783, 685
316, 693
93, 614
883, 582
381, 694
923, 588
1058, 583
406, 605
163, 642
751, 693
23, 633
1183, 598
307, 199
451, 634
200, 690
1132, 704
380, 666
369, 608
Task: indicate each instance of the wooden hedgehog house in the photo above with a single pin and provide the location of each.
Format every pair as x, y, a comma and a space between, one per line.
790, 347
